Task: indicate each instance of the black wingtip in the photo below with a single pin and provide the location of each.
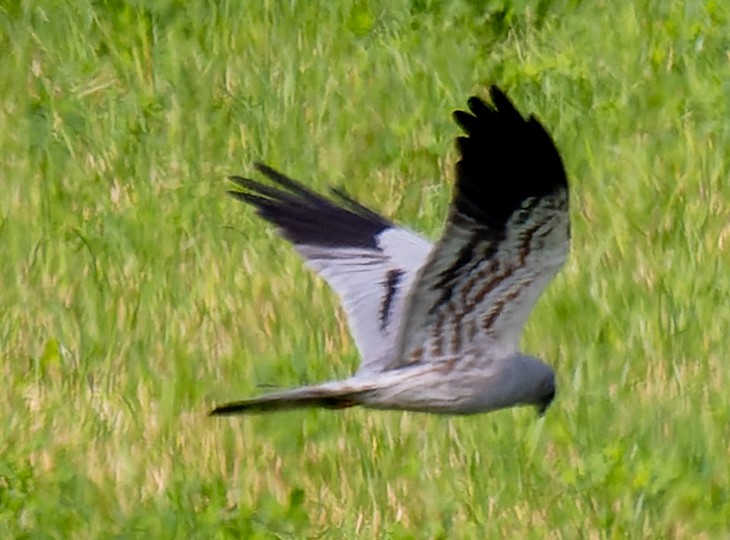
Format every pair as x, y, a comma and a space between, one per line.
495, 90
501, 102
239, 188
505, 159
306, 218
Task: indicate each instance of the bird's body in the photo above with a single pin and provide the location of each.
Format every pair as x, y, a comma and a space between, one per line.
437, 326
443, 388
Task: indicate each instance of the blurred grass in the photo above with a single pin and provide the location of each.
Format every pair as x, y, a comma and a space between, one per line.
135, 294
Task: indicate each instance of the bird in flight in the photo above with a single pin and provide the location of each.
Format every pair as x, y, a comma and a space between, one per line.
437, 326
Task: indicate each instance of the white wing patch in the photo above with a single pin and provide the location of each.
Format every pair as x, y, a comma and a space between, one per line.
372, 285
370, 263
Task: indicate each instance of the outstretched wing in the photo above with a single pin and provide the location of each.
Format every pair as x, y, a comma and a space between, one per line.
366, 259
506, 236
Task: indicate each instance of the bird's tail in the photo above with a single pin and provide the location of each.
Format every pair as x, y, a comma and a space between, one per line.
332, 395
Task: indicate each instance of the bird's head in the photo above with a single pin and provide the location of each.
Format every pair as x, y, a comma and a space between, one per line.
537, 382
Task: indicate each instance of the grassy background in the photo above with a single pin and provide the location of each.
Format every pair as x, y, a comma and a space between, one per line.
134, 294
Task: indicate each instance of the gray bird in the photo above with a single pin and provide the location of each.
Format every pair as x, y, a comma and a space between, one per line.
437, 325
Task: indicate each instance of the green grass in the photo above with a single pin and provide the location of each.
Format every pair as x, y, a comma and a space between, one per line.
134, 294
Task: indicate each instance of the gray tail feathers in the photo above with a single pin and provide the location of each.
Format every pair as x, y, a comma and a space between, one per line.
329, 396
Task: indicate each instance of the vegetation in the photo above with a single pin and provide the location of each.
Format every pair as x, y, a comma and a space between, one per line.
134, 294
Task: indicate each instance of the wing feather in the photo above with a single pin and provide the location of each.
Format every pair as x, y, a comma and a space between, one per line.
369, 262
506, 236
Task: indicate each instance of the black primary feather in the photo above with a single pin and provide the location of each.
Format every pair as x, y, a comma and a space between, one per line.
305, 217
505, 160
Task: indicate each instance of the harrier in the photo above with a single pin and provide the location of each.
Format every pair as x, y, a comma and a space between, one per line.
438, 325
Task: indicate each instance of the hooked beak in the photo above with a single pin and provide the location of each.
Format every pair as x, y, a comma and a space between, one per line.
542, 406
